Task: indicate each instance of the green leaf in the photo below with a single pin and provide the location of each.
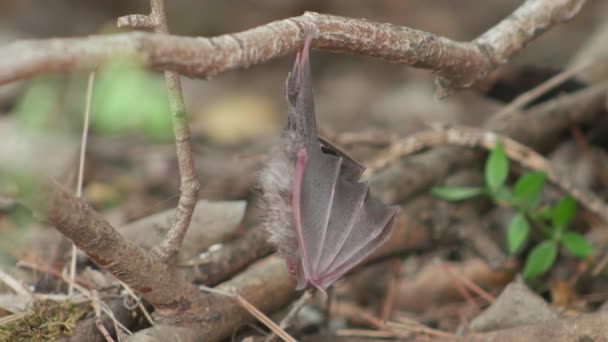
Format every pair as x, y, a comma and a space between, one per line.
545, 213
527, 190
517, 232
563, 212
497, 168
576, 244
456, 193
540, 259
130, 99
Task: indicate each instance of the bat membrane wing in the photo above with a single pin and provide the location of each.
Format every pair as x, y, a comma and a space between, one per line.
345, 211
315, 182
374, 220
331, 275
337, 222
351, 169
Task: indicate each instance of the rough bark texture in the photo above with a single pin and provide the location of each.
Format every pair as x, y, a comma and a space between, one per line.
158, 283
459, 64
267, 285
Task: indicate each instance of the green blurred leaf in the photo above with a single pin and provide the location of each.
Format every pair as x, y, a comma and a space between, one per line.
502, 195
563, 212
517, 232
528, 188
576, 244
540, 259
38, 101
545, 213
130, 99
456, 193
496, 168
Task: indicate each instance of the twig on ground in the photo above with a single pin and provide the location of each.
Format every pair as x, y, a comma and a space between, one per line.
218, 265
138, 302
392, 292
14, 284
538, 129
409, 324
468, 283
528, 97
365, 333
81, 158
461, 288
458, 64
291, 315
270, 324
475, 137
102, 329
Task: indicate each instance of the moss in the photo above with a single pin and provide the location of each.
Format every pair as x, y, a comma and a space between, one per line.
46, 321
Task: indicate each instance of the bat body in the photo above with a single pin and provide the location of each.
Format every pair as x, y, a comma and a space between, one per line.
322, 220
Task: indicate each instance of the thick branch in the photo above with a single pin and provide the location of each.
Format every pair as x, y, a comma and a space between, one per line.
266, 285
457, 64
159, 284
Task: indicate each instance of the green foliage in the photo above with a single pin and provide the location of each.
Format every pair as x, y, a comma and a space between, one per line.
38, 101
563, 212
576, 244
528, 188
497, 169
540, 259
550, 221
127, 98
517, 232
456, 193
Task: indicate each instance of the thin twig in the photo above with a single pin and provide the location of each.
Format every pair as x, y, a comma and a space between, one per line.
475, 137
392, 292
365, 333
526, 98
169, 248
254, 312
102, 329
291, 315
405, 322
139, 303
83, 148
468, 283
464, 292
14, 284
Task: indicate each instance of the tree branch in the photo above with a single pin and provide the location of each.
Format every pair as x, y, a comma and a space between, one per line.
537, 129
169, 248
158, 283
458, 64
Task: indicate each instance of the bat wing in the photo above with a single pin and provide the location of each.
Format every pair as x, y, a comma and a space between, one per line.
350, 168
338, 223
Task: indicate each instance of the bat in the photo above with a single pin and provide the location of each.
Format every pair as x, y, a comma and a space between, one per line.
321, 218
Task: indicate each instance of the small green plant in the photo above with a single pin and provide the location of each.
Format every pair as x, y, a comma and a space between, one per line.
524, 197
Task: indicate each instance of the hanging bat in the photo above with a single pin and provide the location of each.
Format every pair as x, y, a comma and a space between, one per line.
322, 220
